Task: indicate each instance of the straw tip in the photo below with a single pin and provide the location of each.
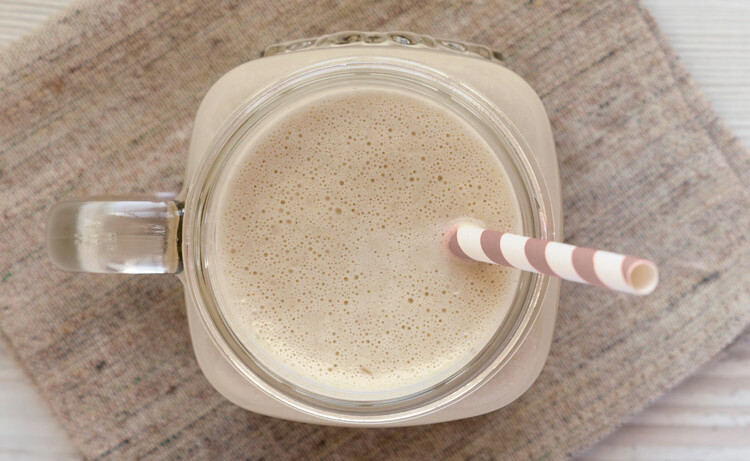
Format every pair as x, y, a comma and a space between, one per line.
450, 238
643, 277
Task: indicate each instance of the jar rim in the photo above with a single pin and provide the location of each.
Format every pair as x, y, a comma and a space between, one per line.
203, 186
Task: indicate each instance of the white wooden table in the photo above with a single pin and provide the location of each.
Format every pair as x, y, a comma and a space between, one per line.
705, 418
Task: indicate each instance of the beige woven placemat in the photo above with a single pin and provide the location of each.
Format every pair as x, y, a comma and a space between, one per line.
101, 100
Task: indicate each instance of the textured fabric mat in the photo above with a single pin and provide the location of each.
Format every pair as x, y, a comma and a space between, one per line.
101, 100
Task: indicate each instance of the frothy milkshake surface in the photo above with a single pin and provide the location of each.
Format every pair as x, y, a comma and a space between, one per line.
328, 241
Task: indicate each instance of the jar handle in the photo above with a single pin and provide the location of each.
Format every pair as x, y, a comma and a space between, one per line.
131, 235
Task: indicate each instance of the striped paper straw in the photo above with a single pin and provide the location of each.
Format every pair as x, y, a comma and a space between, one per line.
578, 264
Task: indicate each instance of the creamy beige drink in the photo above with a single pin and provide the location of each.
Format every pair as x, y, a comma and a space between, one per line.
328, 244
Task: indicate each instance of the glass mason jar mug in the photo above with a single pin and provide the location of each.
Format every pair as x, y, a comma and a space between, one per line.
177, 234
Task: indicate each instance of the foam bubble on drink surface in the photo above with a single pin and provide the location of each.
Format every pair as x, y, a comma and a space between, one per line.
328, 245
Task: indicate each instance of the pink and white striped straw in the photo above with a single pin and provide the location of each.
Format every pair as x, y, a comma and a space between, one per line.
569, 262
